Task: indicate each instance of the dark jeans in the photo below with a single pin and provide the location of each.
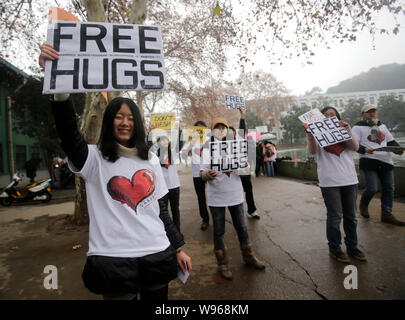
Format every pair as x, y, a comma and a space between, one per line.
259, 165
160, 294
174, 198
340, 203
386, 178
269, 165
247, 187
238, 219
199, 187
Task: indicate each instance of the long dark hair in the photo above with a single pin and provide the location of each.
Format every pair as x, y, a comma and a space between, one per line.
107, 142
200, 123
327, 108
323, 111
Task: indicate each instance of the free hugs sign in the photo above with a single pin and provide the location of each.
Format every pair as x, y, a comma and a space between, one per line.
97, 56
327, 132
234, 102
229, 155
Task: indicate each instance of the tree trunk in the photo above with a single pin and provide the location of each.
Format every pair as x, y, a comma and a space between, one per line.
90, 124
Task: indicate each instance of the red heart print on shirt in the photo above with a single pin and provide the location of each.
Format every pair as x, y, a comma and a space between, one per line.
228, 173
167, 163
134, 191
198, 151
376, 138
336, 149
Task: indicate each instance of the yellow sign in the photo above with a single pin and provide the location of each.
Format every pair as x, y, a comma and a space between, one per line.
164, 121
217, 11
195, 133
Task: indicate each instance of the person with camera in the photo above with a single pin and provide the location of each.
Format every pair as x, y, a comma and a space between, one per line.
269, 158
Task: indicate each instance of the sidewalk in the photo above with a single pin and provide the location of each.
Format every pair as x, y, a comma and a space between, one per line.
290, 238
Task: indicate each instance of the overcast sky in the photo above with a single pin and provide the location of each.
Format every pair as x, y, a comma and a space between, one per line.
331, 66
341, 62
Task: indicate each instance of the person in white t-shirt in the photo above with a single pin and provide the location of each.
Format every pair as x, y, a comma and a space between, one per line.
169, 168
134, 247
338, 181
246, 176
377, 166
224, 189
195, 148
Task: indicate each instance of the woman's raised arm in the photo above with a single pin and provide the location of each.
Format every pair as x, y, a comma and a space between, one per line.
72, 142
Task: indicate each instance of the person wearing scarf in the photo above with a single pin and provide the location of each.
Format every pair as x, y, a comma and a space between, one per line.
377, 166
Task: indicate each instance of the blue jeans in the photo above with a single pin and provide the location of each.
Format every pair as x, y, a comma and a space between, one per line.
386, 178
269, 168
238, 219
340, 203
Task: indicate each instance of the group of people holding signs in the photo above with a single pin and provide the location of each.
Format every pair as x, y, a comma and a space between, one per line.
135, 248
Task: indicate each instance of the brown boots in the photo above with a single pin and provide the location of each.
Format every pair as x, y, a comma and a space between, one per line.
248, 257
223, 260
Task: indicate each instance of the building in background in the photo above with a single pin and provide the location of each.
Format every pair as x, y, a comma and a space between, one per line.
340, 100
15, 148
270, 111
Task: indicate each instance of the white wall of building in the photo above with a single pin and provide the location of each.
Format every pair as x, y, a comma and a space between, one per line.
339, 100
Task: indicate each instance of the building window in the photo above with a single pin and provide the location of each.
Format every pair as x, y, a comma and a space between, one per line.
20, 157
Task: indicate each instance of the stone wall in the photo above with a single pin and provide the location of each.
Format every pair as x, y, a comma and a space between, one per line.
307, 171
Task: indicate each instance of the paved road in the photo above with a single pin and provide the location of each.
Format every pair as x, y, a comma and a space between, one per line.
290, 238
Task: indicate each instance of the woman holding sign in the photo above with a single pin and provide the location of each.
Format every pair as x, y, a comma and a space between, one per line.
338, 181
134, 247
224, 189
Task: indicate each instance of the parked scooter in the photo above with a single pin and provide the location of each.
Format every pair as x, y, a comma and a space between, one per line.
37, 191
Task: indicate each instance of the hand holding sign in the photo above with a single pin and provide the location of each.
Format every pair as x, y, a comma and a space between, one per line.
229, 155
311, 116
47, 53
104, 57
164, 121
328, 131
234, 102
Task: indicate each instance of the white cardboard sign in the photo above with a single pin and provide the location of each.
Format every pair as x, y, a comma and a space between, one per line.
328, 132
98, 56
228, 155
311, 116
234, 102
262, 129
